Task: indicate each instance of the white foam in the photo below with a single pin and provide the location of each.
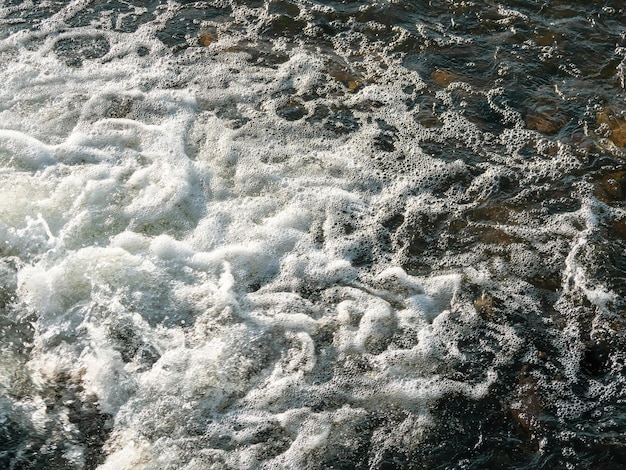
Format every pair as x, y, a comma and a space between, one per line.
195, 262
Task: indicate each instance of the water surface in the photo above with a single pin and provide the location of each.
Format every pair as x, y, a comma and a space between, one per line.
304, 234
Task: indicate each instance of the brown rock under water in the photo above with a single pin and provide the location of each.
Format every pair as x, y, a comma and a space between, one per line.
206, 38
611, 186
546, 38
484, 305
616, 123
351, 81
546, 119
618, 134
493, 235
444, 77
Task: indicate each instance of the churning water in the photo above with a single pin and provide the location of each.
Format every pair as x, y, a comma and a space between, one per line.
288, 234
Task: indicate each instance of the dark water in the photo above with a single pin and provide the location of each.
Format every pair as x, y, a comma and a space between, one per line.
313, 234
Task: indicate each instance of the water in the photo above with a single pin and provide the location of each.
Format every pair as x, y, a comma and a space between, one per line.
302, 234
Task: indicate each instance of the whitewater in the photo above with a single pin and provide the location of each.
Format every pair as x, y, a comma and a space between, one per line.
302, 234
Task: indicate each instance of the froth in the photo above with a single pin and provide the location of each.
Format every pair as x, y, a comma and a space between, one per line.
232, 261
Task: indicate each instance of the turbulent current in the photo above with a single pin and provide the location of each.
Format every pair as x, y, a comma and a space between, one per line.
302, 234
